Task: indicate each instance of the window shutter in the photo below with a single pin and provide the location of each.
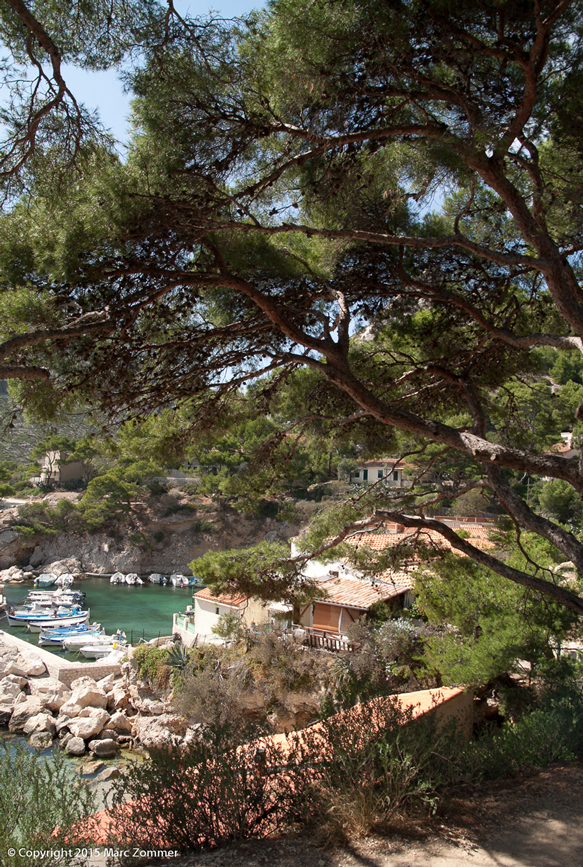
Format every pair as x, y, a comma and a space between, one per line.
326, 617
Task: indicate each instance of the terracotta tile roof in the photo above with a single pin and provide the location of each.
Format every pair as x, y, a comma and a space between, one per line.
356, 593
233, 600
478, 536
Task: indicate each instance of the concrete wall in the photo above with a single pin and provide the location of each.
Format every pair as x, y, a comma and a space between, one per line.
61, 669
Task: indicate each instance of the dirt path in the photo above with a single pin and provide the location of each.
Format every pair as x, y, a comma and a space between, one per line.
533, 821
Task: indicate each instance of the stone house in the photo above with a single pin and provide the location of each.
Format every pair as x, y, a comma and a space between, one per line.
55, 469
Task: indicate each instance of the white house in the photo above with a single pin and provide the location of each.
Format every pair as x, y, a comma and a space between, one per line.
386, 469
209, 607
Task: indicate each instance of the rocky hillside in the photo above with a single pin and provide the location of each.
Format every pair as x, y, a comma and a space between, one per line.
162, 534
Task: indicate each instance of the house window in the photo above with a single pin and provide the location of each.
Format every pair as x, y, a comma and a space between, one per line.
217, 610
379, 474
396, 476
365, 475
357, 474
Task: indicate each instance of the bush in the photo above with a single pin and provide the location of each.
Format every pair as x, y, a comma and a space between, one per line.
548, 734
40, 802
347, 775
213, 792
152, 663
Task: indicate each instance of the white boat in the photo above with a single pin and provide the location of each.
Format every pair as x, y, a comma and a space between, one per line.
131, 578
117, 578
179, 580
47, 579
76, 642
97, 651
65, 580
60, 620
156, 578
37, 611
59, 597
56, 637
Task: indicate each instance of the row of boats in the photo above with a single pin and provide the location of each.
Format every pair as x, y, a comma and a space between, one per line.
155, 578
62, 623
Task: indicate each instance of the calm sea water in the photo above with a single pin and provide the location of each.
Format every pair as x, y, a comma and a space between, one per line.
145, 612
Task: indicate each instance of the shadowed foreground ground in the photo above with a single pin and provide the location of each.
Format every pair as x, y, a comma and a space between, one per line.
533, 821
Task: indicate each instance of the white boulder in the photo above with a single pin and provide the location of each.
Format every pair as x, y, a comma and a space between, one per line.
51, 692
88, 726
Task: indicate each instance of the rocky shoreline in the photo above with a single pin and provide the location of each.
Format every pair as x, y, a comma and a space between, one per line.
95, 717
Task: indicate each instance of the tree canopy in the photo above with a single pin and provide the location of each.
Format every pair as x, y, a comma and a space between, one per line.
365, 218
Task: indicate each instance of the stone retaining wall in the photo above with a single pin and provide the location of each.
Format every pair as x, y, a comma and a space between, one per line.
61, 669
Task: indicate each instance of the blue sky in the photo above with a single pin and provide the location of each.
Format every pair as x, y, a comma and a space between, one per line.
103, 90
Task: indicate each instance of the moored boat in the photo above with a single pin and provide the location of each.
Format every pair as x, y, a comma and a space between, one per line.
179, 580
76, 642
156, 578
55, 637
97, 651
47, 579
117, 578
65, 619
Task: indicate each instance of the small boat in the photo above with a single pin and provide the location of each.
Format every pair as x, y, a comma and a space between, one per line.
65, 580
117, 578
195, 581
97, 651
55, 637
47, 579
76, 642
56, 595
156, 578
47, 600
21, 616
179, 581
132, 578
139, 582
66, 619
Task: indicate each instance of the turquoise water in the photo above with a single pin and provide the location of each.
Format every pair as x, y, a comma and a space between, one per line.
144, 612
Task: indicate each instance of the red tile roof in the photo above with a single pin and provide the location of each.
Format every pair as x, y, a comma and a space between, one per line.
357, 593
233, 600
478, 536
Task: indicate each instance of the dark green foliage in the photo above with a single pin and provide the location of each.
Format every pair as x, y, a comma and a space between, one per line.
484, 625
342, 231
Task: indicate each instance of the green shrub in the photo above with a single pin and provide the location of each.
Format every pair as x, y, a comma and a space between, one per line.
152, 663
548, 734
190, 488
40, 802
